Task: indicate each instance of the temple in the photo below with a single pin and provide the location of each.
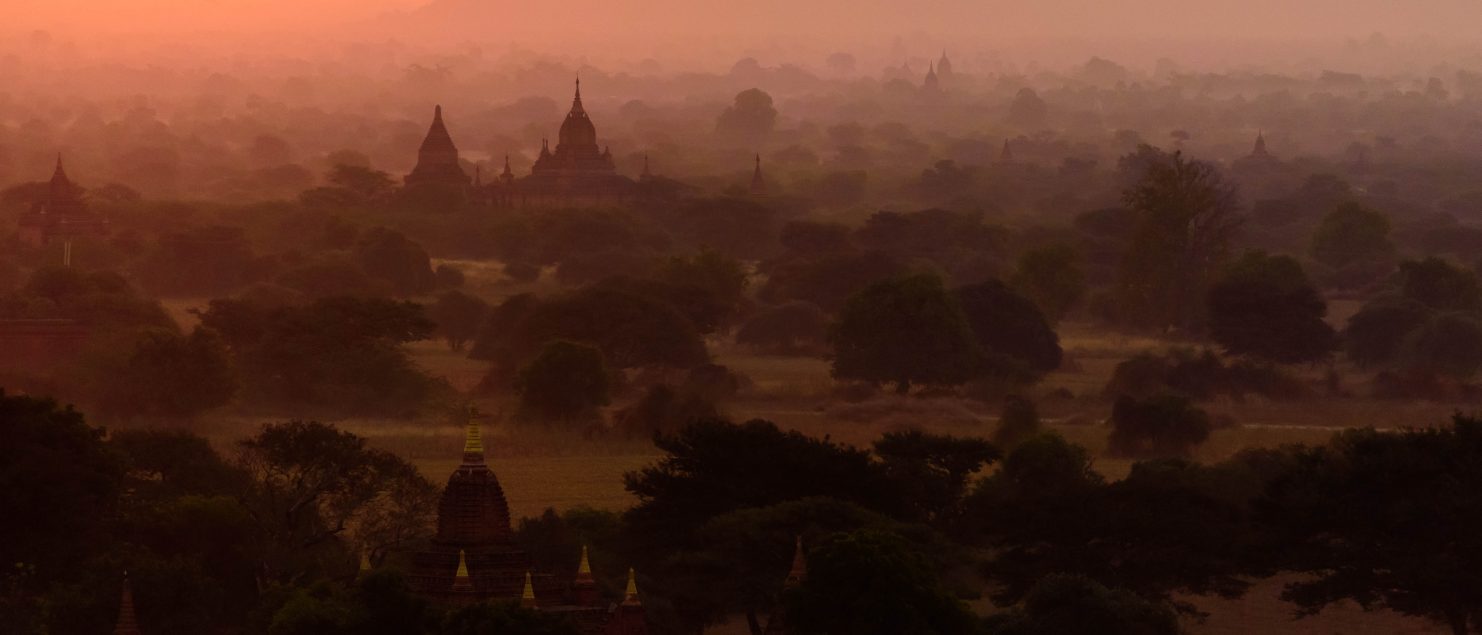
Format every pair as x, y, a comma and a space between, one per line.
777, 623
473, 558
1259, 160
62, 215
576, 173
437, 159
758, 183
931, 84
944, 67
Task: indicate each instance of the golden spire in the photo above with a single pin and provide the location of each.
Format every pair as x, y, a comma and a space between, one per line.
473, 439
527, 596
585, 568
365, 563
461, 580
630, 597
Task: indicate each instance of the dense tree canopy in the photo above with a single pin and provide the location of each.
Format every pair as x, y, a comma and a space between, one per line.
906, 330
1263, 306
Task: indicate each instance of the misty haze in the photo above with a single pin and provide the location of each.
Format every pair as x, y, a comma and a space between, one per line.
665, 317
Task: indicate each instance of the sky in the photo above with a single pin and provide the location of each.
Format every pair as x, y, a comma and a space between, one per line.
639, 28
1287, 18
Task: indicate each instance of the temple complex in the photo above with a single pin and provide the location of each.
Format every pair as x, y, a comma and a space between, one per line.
577, 172
473, 558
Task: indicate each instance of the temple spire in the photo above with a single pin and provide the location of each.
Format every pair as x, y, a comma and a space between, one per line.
799, 570
128, 623
473, 441
527, 595
576, 106
758, 184
630, 596
461, 579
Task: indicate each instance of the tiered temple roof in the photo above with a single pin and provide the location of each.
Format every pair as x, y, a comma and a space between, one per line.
474, 558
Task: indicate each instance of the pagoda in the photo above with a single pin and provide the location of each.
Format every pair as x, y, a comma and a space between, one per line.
473, 557
437, 159
63, 215
577, 172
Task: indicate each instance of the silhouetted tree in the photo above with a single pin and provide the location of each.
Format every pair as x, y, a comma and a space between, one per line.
1186, 217
163, 373
1375, 333
1263, 306
1051, 277
565, 382
752, 117
1012, 332
458, 317
906, 330
1161, 426
787, 329
872, 582
1359, 516
389, 255
1062, 604
1352, 234
1440, 285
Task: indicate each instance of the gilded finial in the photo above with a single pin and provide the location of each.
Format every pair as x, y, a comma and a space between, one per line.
527, 595
630, 596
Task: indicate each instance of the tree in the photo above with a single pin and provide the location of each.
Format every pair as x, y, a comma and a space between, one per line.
163, 373
1018, 422
1263, 306
786, 329
841, 63
367, 183
1448, 343
711, 467
933, 469
312, 486
1064, 604
627, 321
568, 380
339, 354
58, 484
388, 255
1161, 426
1440, 285
1375, 333
1052, 278
1027, 110
1352, 234
725, 279
1186, 217
202, 261
1360, 517
1010, 329
752, 117
906, 330
872, 582
458, 316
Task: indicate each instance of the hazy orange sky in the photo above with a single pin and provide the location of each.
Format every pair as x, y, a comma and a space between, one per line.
1280, 18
